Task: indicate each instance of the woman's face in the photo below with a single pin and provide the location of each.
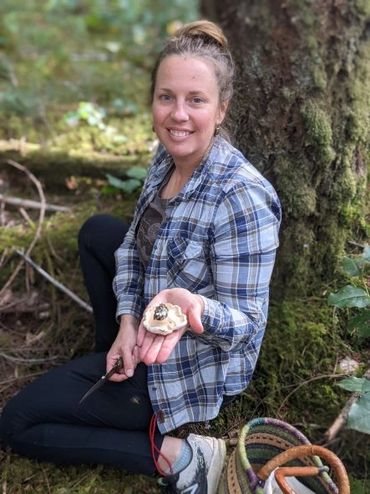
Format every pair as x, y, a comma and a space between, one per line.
186, 107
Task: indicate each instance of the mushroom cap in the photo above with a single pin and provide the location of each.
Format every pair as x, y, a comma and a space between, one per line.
164, 318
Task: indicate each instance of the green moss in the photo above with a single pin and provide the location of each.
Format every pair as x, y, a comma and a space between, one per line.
319, 77
298, 195
318, 127
21, 475
362, 7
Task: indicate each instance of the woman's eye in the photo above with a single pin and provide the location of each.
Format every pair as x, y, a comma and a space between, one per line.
164, 97
197, 100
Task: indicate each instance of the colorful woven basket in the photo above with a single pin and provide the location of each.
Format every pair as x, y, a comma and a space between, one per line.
265, 444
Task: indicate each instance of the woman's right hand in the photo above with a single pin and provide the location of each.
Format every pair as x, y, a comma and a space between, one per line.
125, 347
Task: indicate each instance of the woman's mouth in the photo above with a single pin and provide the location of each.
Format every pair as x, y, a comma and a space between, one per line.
179, 133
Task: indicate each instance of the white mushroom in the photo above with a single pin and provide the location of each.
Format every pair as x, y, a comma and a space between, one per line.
164, 318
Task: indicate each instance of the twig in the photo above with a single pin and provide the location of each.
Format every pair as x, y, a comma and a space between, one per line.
11, 358
342, 418
18, 378
56, 283
39, 226
316, 378
26, 216
28, 203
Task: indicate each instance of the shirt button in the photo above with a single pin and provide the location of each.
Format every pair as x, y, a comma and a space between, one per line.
160, 416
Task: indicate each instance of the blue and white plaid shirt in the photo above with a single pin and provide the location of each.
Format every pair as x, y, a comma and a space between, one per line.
218, 240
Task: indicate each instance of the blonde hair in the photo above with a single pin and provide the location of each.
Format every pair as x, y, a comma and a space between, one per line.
202, 39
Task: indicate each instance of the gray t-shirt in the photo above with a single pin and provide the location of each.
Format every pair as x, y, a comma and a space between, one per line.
149, 226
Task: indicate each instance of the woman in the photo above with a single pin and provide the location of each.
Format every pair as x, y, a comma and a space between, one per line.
204, 237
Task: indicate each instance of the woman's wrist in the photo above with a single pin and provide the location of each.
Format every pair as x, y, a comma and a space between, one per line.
128, 320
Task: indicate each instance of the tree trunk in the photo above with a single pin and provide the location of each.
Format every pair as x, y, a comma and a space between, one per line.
300, 115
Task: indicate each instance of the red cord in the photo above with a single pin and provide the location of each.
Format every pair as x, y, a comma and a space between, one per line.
154, 449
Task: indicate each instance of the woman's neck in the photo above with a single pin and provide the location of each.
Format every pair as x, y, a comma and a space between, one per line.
176, 182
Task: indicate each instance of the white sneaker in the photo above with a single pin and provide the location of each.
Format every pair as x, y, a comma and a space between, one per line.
203, 473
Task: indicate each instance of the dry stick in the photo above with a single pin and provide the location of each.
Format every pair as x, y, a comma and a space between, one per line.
56, 283
315, 378
12, 358
28, 203
342, 418
39, 225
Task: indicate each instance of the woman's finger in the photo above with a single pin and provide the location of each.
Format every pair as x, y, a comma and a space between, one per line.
150, 348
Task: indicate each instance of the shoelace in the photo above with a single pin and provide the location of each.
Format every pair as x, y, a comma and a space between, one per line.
154, 450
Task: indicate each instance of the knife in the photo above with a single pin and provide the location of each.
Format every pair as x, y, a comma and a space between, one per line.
116, 367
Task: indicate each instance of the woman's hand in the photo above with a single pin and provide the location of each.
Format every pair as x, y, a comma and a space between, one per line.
125, 346
156, 348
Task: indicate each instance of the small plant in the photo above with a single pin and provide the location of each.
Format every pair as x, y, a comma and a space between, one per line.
87, 112
355, 296
135, 177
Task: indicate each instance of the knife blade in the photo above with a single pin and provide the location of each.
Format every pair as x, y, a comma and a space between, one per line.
104, 378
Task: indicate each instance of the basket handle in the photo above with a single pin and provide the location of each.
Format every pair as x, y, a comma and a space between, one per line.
309, 450
282, 472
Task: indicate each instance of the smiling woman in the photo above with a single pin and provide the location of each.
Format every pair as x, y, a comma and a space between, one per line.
203, 239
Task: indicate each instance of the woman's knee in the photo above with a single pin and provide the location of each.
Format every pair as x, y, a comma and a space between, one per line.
102, 228
91, 226
11, 420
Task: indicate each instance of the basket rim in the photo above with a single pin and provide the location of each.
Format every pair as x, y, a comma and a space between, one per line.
253, 477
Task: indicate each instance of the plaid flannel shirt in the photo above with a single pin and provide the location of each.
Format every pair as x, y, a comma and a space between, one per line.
218, 240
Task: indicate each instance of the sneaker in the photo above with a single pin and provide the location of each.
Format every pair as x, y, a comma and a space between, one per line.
203, 473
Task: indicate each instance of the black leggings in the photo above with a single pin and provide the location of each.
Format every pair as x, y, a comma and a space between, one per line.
45, 422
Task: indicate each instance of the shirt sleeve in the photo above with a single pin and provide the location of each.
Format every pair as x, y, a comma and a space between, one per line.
129, 279
243, 252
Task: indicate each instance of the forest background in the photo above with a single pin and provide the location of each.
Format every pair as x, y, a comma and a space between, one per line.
75, 139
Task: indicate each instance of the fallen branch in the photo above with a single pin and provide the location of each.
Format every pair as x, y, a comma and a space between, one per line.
28, 203
30, 361
341, 420
54, 282
39, 225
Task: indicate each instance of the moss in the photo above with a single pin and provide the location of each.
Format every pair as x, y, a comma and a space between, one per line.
318, 127
21, 475
297, 194
319, 78
362, 7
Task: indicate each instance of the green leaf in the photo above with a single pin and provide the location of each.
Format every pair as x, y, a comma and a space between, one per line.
351, 266
361, 322
114, 181
130, 185
359, 415
138, 172
349, 296
127, 186
356, 385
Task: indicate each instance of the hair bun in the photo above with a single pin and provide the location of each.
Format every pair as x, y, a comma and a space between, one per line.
206, 30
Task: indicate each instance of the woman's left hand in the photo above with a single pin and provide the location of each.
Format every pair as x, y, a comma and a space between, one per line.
156, 348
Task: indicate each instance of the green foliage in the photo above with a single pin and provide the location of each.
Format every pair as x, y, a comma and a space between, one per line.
349, 296
135, 177
354, 297
87, 112
103, 61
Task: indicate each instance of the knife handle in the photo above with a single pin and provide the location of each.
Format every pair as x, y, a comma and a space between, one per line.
116, 367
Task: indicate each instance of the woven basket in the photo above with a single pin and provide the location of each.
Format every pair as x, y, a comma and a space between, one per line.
265, 444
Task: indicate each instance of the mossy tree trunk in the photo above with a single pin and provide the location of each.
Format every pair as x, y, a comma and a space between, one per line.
300, 115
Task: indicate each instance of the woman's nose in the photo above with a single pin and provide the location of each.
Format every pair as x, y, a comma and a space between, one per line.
179, 112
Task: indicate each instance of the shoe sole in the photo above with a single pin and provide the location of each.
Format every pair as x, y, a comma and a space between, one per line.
216, 465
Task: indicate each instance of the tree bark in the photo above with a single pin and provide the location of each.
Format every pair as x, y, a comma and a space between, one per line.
300, 115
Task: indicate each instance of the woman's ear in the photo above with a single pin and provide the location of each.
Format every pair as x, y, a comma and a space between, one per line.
222, 111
